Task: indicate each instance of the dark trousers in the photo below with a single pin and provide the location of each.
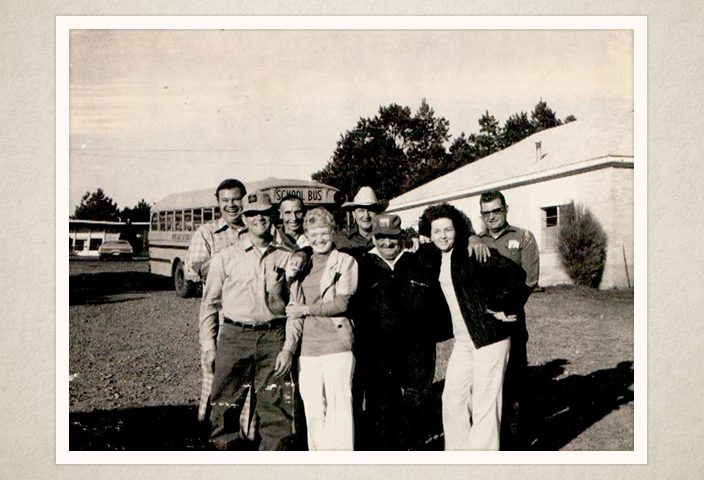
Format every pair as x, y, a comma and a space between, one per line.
512, 434
383, 412
245, 362
397, 416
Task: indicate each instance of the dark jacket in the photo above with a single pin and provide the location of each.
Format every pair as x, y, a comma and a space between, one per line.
398, 320
498, 285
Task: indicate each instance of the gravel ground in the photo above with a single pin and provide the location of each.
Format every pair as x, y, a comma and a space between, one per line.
135, 377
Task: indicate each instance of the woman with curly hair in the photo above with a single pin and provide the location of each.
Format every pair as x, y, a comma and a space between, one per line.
483, 299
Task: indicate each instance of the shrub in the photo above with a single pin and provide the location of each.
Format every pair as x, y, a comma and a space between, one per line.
582, 245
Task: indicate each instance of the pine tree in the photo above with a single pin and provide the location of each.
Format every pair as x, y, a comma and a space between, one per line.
97, 206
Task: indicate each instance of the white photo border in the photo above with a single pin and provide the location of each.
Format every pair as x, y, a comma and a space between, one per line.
638, 24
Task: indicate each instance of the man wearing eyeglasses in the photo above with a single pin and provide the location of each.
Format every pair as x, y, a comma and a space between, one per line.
519, 245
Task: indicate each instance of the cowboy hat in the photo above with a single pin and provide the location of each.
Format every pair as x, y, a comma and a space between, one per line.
366, 198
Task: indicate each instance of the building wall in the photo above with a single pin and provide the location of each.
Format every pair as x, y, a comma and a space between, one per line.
608, 192
82, 235
99, 235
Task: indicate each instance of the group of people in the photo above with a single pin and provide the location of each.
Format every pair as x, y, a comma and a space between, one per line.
307, 328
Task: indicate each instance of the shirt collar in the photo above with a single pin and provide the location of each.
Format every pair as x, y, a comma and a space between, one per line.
277, 242
375, 251
509, 228
355, 233
222, 225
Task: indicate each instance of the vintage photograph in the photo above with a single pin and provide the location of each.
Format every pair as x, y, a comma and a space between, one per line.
351, 240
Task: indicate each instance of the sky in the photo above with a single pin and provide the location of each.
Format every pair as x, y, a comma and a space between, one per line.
157, 112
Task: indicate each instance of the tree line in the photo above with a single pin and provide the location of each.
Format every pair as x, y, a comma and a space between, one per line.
98, 206
397, 150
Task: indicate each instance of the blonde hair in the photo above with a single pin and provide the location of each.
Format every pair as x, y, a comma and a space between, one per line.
319, 217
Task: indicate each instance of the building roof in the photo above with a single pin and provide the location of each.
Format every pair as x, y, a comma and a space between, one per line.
74, 221
206, 197
577, 145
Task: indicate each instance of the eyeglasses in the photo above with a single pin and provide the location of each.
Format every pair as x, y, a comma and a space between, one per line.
495, 211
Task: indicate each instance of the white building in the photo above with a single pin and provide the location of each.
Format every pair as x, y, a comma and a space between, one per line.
587, 161
85, 236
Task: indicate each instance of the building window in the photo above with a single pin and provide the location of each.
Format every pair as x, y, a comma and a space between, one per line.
78, 246
551, 225
551, 219
94, 243
197, 218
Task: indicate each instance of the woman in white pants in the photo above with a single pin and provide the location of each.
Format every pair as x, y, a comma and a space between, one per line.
320, 294
479, 297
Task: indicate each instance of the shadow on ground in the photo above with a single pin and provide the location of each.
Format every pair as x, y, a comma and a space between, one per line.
100, 288
136, 429
559, 409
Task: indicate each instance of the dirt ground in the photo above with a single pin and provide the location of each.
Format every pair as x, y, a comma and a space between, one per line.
135, 378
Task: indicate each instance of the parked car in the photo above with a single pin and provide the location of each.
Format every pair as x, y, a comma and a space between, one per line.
115, 249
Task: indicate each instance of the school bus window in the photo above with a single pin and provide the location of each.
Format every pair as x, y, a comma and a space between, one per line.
216, 215
187, 224
178, 224
197, 218
162, 221
169, 221
155, 221
207, 214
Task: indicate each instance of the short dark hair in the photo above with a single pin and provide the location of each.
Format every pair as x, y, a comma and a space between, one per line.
228, 184
492, 195
291, 196
444, 210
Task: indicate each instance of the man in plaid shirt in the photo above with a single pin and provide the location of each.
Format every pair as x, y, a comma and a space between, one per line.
519, 245
208, 240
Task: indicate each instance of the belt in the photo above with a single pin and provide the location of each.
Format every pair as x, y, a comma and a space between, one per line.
275, 323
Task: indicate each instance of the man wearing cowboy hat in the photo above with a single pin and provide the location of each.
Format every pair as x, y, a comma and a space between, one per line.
247, 284
364, 208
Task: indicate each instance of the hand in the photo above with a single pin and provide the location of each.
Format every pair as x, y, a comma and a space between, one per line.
296, 310
203, 269
293, 267
477, 248
502, 316
210, 360
283, 363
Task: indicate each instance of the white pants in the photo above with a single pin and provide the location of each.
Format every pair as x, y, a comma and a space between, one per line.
326, 390
471, 399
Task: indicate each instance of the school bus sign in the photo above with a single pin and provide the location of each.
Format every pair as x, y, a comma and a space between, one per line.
308, 195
